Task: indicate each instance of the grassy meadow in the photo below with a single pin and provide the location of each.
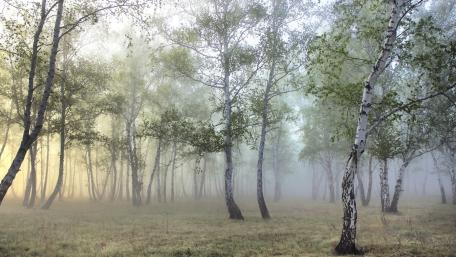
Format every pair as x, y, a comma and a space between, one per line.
297, 228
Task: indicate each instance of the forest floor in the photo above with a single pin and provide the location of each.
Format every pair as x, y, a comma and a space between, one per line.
299, 228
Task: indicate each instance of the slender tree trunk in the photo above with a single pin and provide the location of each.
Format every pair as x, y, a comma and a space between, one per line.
165, 179
173, 168
133, 160
155, 170
29, 137
233, 209
314, 183
7, 129
369, 184
43, 189
398, 188
58, 186
203, 178
276, 170
329, 172
442, 188
184, 192
33, 152
159, 189
347, 241
195, 178
121, 177
114, 152
30, 191
127, 183
384, 187
453, 183
28, 185
361, 188
93, 189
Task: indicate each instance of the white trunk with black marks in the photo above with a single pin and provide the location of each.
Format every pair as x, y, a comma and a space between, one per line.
29, 137
233, 209
347, 241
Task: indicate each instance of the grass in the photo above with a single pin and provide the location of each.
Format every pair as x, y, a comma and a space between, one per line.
297, 228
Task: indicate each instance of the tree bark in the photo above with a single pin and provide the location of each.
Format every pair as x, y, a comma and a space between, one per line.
30, 191
29, 137
203, 178
173, 168
398, 188
233, 209
58, 186
276, 170
384, 187
7, 129
441, 187
154, 170
369, 185
453, 183
329, 173
347, 241
361, 188
45, 180
134, 165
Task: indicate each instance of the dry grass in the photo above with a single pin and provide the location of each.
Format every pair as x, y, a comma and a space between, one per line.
202, 229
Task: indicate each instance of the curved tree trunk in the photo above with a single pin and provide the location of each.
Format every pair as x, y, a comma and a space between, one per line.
233, 209
58, 186
398, 188
155, 170
347, 241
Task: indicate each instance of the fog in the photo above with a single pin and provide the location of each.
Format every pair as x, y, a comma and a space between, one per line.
227, 128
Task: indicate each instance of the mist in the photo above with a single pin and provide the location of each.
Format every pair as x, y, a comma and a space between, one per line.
227, 128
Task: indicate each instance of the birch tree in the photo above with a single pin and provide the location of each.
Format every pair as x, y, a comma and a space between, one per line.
347, 241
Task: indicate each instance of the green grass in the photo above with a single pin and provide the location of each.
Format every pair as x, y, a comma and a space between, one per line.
202, 229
